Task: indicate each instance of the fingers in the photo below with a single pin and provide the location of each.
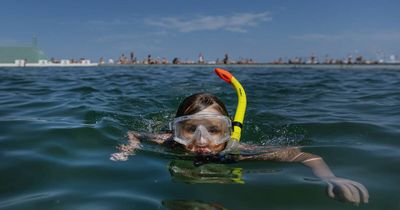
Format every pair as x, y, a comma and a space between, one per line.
354, 193
127, 148
359, 192
347, 190
330, 190
363, 190
120, 156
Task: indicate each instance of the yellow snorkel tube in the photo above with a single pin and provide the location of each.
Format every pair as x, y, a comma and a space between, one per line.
242, 102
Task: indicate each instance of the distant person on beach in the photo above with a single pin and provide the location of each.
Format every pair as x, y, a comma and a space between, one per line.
133, 58
176, 61
101, 61
201, 59
226, 59
202, 127
122, 59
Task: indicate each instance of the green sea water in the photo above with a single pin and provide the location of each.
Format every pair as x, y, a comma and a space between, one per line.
59, 126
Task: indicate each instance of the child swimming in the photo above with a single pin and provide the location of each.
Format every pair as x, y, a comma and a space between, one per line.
202, 127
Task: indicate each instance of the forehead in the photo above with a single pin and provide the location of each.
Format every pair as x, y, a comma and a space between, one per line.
208, 110
203, 121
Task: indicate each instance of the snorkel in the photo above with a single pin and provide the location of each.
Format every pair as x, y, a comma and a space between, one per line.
241, 106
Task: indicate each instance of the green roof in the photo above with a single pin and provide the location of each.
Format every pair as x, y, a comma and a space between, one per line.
31, 54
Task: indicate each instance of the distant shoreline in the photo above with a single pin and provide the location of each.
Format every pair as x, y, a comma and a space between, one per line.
268, 65
264, 65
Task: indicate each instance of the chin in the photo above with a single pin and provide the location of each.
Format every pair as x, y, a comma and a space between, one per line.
205, 150
202, 150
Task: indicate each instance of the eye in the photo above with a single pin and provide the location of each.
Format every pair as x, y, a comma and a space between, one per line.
190, 128
214, 130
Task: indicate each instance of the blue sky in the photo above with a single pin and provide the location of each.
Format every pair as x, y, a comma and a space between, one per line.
262, 30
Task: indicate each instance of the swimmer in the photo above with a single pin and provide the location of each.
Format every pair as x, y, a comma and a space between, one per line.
202, 126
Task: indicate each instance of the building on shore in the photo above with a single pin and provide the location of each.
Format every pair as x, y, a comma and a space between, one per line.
21, 55
12, 56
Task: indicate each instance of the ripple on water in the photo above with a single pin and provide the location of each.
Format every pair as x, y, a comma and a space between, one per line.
59, 126
83, 89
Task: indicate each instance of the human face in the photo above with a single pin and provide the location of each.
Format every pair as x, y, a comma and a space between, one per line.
204, 132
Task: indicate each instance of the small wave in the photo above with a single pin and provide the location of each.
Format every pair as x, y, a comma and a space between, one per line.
84, 89
26, 199
350, 132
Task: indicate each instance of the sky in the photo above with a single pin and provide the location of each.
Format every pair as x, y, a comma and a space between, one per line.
263, 30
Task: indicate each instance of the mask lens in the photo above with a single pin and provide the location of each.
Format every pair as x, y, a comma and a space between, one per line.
214, 128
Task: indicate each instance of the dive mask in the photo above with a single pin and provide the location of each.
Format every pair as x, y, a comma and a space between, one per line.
201, 128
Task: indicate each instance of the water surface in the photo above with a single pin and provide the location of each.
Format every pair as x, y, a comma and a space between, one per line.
58, 127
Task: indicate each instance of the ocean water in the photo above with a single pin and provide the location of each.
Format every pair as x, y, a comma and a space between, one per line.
59, 126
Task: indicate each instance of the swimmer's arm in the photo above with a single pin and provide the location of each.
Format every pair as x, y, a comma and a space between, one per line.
158, 138
315, 163
134, 138
125, 150
292, 154
339, 188
133, 144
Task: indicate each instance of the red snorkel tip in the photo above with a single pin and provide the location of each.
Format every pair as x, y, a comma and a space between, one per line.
224, 74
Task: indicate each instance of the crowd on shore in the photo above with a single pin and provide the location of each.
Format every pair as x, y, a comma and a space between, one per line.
131, 60
314, 60
123, 59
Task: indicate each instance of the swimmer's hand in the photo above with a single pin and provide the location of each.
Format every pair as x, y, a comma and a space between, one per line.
127, 149
346, 190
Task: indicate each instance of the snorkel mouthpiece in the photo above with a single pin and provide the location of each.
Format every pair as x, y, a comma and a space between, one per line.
242, 102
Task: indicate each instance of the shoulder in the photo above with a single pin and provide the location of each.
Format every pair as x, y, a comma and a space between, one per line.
254, 152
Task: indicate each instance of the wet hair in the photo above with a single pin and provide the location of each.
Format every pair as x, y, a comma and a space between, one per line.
198, 102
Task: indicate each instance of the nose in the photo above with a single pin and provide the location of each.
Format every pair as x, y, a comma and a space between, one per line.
200, 140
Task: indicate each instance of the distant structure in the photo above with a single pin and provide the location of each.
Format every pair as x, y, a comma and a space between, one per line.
12, 54
34, 57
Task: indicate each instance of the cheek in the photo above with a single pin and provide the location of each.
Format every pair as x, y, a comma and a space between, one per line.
190, 147
218, 147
